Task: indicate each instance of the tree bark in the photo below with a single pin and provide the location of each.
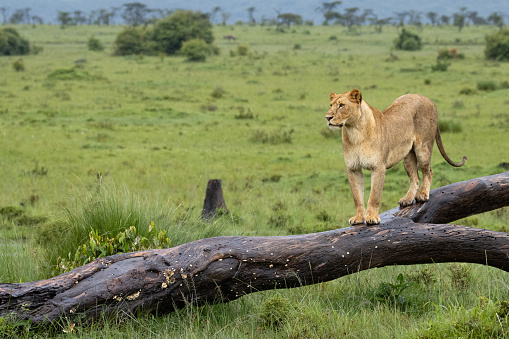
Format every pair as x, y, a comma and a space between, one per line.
225, 268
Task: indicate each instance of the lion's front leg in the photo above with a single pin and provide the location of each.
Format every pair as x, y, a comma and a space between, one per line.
377, 185
356, 180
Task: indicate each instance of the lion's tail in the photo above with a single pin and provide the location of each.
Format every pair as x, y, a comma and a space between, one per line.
438, 138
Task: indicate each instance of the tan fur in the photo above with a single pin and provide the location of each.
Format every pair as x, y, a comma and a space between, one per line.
376, 141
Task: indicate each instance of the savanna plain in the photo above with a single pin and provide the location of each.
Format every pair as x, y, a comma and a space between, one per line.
91, 141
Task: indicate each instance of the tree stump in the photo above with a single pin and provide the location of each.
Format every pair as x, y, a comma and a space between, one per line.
213, 199
225, 268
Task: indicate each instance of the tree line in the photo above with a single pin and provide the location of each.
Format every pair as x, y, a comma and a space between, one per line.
137, 13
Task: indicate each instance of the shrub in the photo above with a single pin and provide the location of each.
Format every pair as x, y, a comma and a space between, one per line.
408, 41
468, 91
94, 44
275, 311
195, 50
487, 85
450, 126
169, 34
11, 43
243, 49
497, 46
18, 65
128, 42
448, 54
101, 246
441, 66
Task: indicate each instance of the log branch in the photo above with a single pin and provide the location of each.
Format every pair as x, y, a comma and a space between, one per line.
225, 268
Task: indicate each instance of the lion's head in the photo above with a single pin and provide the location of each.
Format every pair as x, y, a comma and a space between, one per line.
344, 108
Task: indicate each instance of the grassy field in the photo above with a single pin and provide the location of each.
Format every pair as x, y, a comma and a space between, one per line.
135, 139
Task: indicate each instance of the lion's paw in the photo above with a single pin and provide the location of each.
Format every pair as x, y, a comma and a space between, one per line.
422, 197
404, 202
356, 220
372, 219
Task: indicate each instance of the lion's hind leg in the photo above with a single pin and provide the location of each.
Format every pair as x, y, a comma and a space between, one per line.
424, 159
410, 164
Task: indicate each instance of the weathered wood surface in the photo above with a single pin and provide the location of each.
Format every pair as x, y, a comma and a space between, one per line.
225, 268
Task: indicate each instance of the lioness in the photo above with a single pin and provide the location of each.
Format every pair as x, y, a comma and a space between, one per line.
376, 141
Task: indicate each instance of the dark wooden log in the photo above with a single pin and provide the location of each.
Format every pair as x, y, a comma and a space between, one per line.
225, 268
213, 199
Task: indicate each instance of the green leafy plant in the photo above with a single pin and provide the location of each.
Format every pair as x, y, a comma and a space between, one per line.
408, 41
497, 46
11, 43
18, 65
94, 44
392, 293
275, 311
195, 50
100, 246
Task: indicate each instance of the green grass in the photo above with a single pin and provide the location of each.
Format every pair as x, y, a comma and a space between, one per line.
94, 141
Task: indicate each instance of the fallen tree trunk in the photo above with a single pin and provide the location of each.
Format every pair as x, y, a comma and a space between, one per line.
225, 268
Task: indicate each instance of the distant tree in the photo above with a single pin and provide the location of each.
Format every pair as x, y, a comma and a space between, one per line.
460, 18
400, 17
432, 17
104, 17
135, 13
37, 20
18, 17
350, 18
11, 43
64, 18
444, 20
5, 12
114, 11
288, 19
250, 12
331, 16
375, 21
225, 16
497, 46
213, 13
79, 18
27, 17
496, 19
327, 9
414, 18
169, 33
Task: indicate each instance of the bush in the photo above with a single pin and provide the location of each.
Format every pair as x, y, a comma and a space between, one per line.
101, 246
128, 42
275, 311
243, 50
487, 85
448, 54
11, 43
195, 50
169, 34
408, 41
18, 65
94, 44
497, 46
440, 66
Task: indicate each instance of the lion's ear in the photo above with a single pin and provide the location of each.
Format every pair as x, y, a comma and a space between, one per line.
356, 96
332, 96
